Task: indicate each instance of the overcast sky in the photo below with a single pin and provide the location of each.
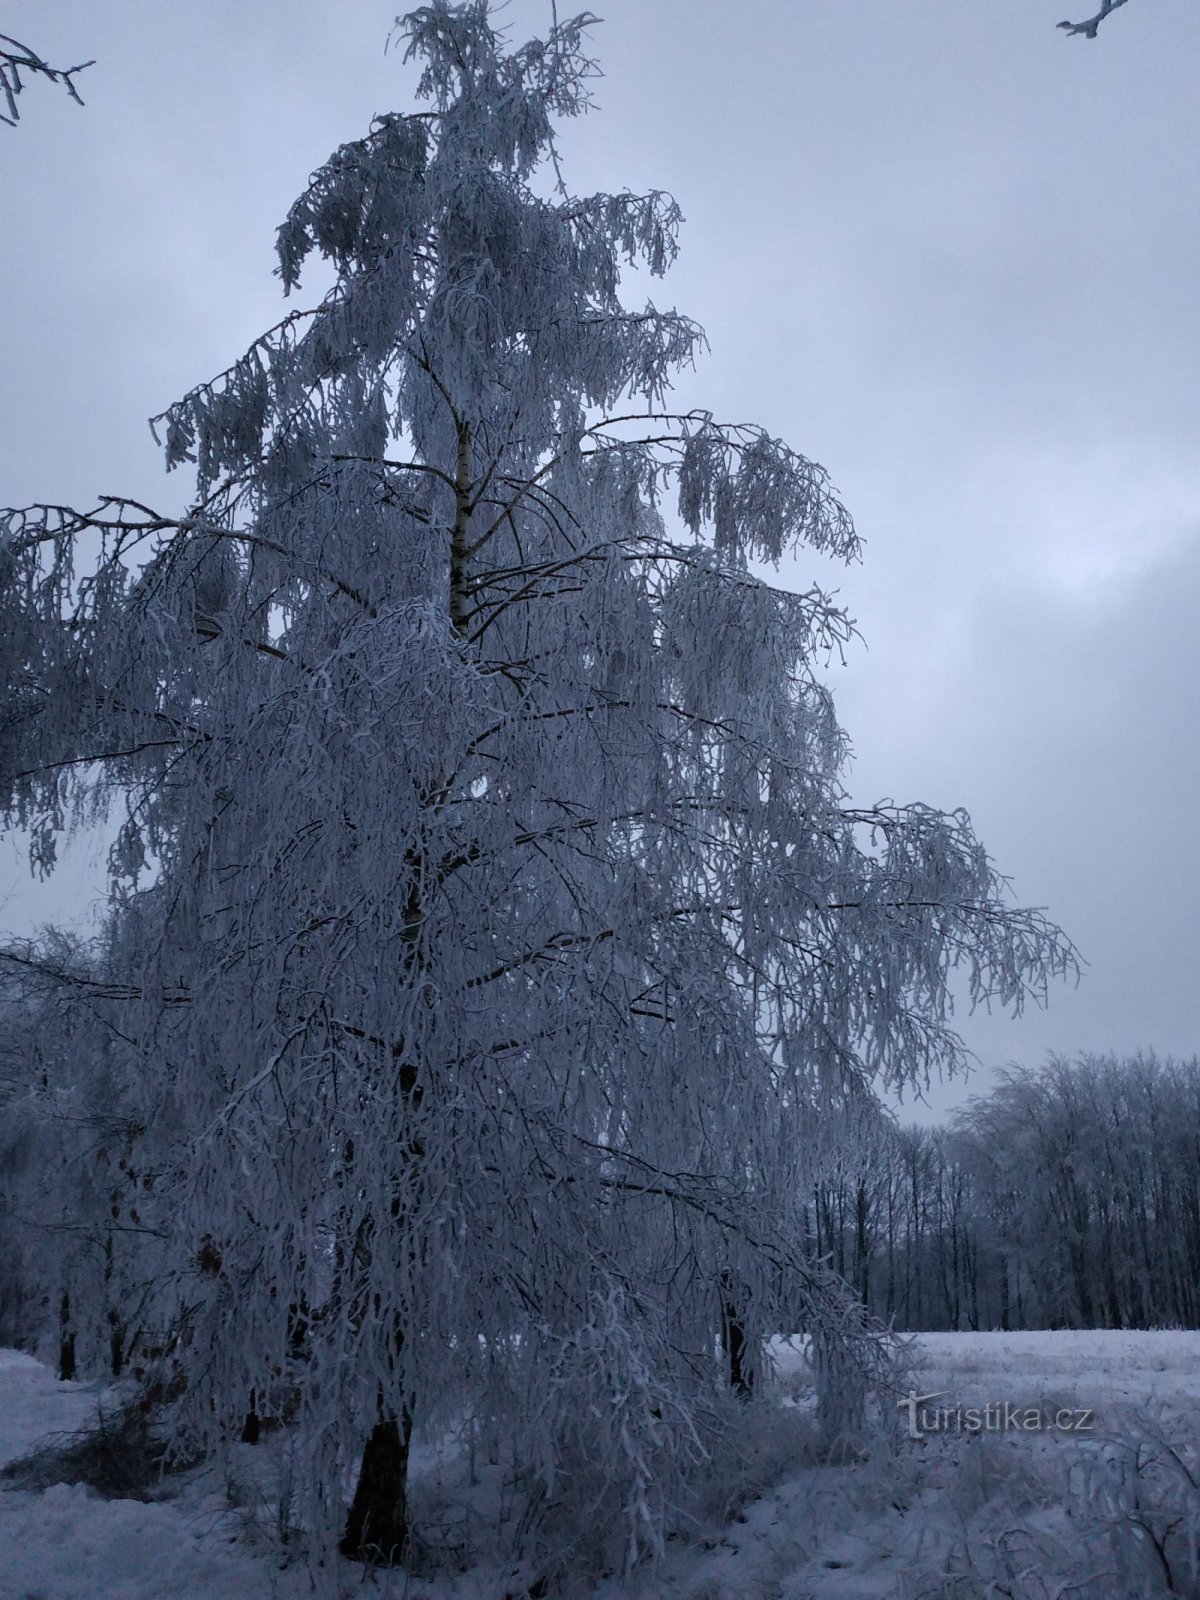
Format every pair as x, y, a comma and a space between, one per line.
936, 245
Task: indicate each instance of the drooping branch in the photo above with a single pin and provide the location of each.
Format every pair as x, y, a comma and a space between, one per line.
1091, 26
26, 526
16, 58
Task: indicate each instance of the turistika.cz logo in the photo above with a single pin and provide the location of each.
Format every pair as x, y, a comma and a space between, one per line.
998, 1416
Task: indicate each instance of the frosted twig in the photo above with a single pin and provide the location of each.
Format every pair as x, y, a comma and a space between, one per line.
16, 58
1090, 27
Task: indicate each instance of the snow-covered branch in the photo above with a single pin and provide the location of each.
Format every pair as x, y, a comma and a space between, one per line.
1091, 26
17, 58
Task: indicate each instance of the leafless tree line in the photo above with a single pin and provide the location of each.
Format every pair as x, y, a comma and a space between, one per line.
1069, 1197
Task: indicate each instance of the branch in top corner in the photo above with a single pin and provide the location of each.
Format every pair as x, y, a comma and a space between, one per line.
1090, 27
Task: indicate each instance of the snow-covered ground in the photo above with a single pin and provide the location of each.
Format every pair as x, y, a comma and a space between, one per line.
949, 1516
68, 1544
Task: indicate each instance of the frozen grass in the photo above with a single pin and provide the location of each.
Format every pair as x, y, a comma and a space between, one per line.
1111, 1516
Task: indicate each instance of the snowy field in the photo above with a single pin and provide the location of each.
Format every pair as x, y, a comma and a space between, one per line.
1112, 1513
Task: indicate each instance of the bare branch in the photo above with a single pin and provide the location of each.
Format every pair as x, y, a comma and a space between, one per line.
1090, 27
16, 58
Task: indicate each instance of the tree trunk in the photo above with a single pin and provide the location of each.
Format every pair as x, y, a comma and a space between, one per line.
116, 1328
252, 1425
116, 1345
733, 1338
377, 1524
66, 1340
1004, 1311
862, 1250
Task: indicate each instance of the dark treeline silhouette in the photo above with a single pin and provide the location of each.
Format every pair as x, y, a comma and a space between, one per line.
1068, 1197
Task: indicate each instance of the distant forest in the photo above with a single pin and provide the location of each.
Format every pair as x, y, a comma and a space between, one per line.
1069, 1197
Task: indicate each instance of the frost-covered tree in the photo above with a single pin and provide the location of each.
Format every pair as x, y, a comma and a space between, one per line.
78, 1246
492, 937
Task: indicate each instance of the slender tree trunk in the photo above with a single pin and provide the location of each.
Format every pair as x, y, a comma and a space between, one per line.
861, 1236
252, 1426
1004, 1310
740, 1366
973, 1280
890, 1298
116, 1344
66, 1340
116, 1327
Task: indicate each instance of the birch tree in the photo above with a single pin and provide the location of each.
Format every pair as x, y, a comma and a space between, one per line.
491, 930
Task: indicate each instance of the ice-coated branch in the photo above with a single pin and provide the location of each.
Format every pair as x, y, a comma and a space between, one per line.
17, 58
1090, 28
